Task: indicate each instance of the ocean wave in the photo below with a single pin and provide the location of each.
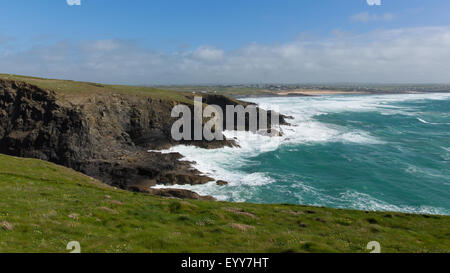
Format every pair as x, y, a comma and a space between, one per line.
238, 190
313, 106
447, 154
352, 199
312, 131
224, 164
432, 123
363, 201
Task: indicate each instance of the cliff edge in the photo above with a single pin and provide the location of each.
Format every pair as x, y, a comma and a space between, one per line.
105, 135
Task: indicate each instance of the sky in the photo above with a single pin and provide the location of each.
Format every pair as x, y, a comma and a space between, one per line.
152, 42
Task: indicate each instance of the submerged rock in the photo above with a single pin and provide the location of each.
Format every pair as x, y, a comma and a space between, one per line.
271, 133
221, 183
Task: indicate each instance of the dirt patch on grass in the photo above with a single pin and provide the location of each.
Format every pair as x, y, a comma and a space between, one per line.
243, 227
240, 212
108, 210
188, 204
73, 216
6, 226
116, 202
295, 213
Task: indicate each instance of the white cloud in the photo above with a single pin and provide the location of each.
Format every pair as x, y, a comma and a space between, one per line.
73, 2
399, 55
366, 17
206, 53
374, 2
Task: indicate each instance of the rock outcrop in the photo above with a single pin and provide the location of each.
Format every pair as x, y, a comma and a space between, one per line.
105, 136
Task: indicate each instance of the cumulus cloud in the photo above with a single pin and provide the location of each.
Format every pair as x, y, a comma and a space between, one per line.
366, 17
206, 53
399, 55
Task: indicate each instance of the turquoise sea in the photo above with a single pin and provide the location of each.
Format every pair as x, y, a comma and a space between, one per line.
368, 152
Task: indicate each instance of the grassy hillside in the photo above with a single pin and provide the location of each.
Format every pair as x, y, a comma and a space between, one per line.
44, 206
219, 89
74, 88
69, 87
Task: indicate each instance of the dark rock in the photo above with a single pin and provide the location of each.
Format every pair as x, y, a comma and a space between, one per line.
180, 193
221, 183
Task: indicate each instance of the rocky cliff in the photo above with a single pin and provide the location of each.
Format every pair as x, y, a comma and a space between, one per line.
105, 136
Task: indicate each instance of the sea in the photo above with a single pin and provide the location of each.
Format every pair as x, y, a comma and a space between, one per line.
364, 152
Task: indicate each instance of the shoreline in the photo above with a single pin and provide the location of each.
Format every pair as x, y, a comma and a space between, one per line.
318, 93
307, 92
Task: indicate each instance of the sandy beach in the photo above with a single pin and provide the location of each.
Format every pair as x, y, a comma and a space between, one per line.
319, 92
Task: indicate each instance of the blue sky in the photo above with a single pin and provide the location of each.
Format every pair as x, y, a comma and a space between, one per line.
213, 37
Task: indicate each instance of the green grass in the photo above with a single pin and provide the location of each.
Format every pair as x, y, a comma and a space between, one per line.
219, 89
70, 88
44, 206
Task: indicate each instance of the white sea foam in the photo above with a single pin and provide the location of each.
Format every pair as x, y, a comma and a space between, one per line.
351, 199
362, 201
423, 121
224, 163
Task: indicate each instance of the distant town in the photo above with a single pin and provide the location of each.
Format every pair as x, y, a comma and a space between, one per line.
238, 90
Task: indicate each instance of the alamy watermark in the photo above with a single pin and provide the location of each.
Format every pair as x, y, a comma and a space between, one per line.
374, 246
374, 2
74, 246
73, 2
